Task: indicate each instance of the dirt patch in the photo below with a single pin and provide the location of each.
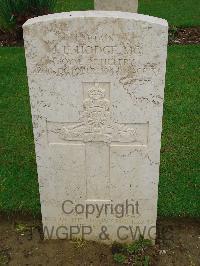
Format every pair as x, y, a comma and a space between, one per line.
178, 244
8, 39
184, 35
182, 246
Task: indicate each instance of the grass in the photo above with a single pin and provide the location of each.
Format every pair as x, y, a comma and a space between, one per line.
179, 179
18, 183
68, 5
178, 12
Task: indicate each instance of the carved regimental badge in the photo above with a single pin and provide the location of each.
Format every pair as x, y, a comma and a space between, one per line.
96, 123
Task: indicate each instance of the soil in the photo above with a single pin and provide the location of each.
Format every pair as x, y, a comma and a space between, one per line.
184, 35
189, 35
178, 244
8, 39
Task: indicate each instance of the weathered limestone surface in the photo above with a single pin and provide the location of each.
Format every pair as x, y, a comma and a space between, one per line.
116, 5
96, 82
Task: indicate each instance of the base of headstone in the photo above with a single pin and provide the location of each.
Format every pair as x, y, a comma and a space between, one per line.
116, 5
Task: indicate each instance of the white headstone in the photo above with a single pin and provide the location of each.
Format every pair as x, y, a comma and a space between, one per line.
96, 83
116, 5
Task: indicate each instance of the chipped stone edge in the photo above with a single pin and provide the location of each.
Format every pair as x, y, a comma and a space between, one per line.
96, 14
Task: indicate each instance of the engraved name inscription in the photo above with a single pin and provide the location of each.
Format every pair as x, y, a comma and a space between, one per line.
61, 54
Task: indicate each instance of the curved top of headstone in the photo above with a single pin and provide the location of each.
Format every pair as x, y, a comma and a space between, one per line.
96, 14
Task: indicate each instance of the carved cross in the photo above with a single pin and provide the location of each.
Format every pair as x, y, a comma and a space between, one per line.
99, 133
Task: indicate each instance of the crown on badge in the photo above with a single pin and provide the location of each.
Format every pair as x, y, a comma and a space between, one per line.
96, 92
